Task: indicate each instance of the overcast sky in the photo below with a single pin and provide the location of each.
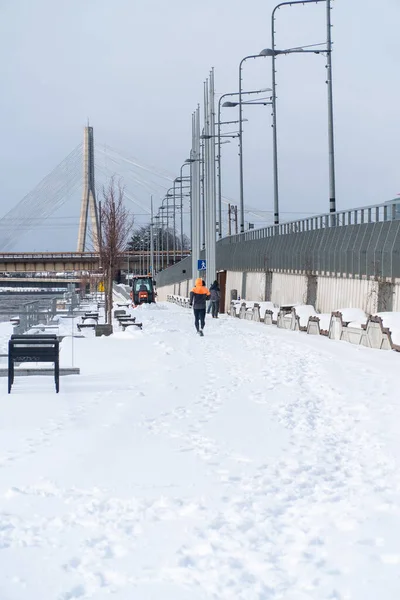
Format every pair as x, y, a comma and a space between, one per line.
136, 69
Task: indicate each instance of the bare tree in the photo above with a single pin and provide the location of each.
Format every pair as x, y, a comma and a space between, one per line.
116, 225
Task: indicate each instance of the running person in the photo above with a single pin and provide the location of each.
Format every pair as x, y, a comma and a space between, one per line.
198, 298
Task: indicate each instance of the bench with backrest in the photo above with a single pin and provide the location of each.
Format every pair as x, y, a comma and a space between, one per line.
121, 318
131, 323
87, 316
128, 321
33, 348
85, 325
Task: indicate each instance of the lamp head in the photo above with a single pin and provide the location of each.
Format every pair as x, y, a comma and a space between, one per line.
267, 52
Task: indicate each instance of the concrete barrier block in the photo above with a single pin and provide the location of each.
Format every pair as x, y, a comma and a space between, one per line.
354, 335
256, 313
377, 335
249, 314
336, 326
294, 320
313, 326
242, 312
103, 329
284, 320
268, 317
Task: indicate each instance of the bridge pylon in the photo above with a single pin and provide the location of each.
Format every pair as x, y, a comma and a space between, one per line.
88, 196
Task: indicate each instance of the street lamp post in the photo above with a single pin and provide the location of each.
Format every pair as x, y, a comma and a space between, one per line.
240, 136
331, 142
164, 243
240, 104
218, 161
188, 161
174, 219
167, 196
202, 194
173, 196
180, 180
152, 240
157, 243
219, 147
273, 53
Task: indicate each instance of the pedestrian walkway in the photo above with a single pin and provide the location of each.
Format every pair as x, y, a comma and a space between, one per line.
252, 463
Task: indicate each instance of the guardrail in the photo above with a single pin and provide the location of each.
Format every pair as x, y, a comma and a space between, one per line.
379, 213
47, 255
180, 300
78, 255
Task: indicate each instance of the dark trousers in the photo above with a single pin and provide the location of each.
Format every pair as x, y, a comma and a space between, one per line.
214, 308
199, 315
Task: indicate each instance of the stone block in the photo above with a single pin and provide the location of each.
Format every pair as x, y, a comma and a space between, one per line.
103, 329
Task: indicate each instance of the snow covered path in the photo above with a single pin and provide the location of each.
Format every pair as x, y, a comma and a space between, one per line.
253, 463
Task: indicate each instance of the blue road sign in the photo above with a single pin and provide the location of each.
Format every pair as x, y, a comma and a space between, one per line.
201, 265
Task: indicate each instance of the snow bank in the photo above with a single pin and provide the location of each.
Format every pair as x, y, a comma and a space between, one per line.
324, 321
392, 320
355, 317
263, 307
247, 465
304, 312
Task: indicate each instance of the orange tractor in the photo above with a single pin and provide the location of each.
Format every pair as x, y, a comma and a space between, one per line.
142, 290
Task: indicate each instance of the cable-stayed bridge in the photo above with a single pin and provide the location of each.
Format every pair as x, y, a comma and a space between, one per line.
53, 213
51, 216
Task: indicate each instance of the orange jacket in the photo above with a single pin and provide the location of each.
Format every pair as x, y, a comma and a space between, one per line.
199, 295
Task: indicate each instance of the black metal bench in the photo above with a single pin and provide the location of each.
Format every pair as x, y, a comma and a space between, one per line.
125, 324
94, 317
83, 325
126, 305
33, 348
122, 318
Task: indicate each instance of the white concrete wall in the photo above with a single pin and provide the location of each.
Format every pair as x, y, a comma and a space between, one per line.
332, 293
233, 282
288, 289
336, 293
162, 292
255, 286
396, 296
179, 289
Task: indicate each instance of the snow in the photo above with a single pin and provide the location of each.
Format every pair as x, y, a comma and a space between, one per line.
392, 320
253, 463
324, 321
304, 312
263, 307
